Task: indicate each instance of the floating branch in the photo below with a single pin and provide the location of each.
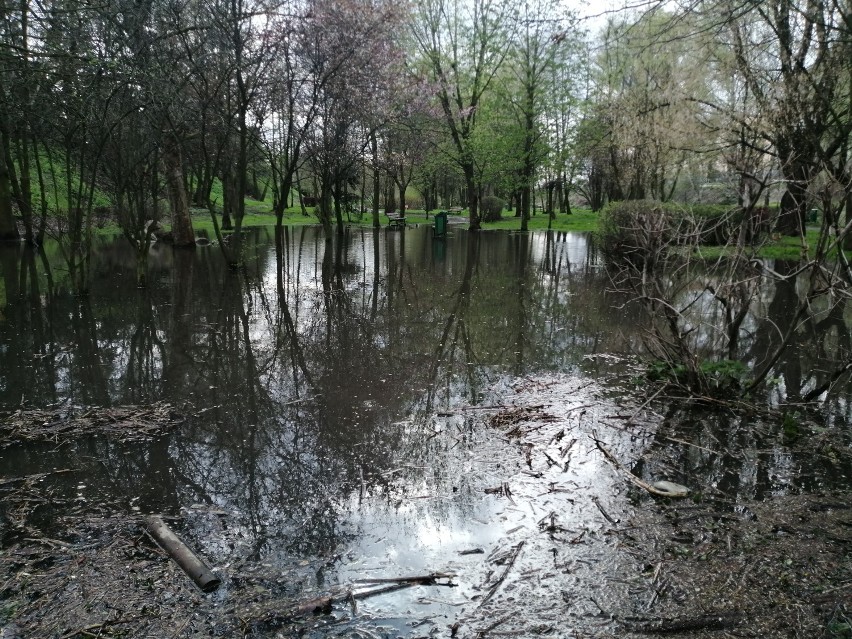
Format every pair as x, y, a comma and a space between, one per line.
633, 478
322, 605
509, 565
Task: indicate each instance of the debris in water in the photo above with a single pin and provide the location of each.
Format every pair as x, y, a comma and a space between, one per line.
69, 422
673, 489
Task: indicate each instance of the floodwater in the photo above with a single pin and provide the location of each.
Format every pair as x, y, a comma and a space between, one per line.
343, 403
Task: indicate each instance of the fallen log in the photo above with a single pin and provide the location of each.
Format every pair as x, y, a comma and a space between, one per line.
183, 556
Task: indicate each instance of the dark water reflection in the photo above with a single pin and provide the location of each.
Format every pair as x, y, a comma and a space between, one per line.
300, 369
312, 379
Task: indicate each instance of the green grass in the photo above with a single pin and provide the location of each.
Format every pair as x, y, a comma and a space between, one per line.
55, 181
782, 248
579, 220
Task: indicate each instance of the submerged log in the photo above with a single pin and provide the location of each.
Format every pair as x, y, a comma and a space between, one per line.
183, 556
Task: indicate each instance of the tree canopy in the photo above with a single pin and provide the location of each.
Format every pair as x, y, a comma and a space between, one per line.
138, 111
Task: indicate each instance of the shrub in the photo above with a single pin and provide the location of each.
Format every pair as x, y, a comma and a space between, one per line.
640, 229
637, 231
712, 378
492, 208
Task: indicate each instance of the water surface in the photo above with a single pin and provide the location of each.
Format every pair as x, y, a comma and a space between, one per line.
336, 395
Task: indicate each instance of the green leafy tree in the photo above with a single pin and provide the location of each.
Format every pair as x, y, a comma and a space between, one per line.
462, 47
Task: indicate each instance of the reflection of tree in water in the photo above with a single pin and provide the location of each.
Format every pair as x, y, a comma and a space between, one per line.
28, 370
179, 360
145, 355
454, 333
320, 366
742, 457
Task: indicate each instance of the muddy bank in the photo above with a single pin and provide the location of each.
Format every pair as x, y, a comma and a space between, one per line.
543, 533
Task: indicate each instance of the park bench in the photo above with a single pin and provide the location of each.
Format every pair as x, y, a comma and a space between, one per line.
396, 221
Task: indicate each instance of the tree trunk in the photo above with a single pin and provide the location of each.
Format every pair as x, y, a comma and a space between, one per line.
791, 219
228, 199
25, 196
847, 241
142, 265
8, 228
182, 230
472, 198
325, 206
338, 213
283, 195
524, 207
42, 218
376, 181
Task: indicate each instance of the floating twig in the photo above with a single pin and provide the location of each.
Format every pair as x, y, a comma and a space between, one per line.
604, 513
499, 581
484, 632
630, 476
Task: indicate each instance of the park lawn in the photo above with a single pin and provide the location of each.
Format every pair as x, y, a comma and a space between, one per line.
782, 248
259, 213
578, 220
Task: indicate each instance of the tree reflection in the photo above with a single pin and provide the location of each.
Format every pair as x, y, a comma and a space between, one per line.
310, 380
144, 355
28, 351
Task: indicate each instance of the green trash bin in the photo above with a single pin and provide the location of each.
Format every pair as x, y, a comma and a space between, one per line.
441, 224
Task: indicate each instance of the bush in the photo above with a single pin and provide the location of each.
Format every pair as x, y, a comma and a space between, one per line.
713, 378
492, 208
637, 231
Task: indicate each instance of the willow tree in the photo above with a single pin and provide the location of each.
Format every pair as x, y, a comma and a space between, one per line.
793, 57
643, 115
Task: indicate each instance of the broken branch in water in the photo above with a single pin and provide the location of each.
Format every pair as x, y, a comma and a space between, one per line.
630, 476
503, 491
552, 462
424, 580
606, 515
322, 605
499, 581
